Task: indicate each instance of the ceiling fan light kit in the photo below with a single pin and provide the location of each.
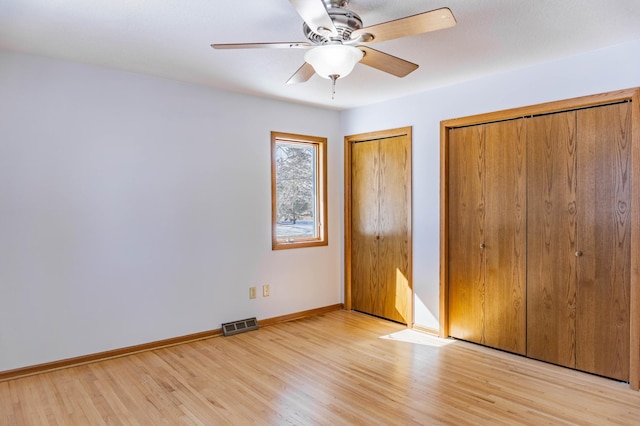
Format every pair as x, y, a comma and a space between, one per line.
333, 61
338, 41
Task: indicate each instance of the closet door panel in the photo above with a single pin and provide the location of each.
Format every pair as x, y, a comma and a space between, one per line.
364, 232
466, 233
604, 239
394, 196
551, 238
505, 236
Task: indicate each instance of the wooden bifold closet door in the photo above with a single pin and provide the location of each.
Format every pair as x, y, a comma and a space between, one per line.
551, 244
540, 230
487, 235
380, 196
539, 236
579, 239
604, 238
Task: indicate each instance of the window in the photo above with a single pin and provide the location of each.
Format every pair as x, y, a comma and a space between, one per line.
298, 191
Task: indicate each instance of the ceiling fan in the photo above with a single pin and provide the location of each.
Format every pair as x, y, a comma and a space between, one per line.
337, 39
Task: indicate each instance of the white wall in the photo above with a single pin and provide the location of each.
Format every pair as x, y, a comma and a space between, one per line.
596, 72
134, 209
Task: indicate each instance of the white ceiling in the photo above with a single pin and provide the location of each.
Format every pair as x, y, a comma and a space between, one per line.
171, 39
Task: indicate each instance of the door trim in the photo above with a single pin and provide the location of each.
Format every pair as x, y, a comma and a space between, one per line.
349, 141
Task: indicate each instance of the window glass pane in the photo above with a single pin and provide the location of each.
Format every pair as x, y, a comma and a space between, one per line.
296, 202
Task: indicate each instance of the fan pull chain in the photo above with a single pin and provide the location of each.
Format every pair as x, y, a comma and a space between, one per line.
333, 78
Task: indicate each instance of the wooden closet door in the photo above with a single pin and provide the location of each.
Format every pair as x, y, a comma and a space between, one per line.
365, 179
505, 223
380, 198
551, 238
394, 198
604, 240
466, 233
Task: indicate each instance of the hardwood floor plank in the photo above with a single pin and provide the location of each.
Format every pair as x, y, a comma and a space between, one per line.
340, 367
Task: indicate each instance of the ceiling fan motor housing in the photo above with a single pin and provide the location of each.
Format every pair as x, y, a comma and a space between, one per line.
343, 19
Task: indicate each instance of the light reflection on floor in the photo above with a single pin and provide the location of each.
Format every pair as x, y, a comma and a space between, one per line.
418, 338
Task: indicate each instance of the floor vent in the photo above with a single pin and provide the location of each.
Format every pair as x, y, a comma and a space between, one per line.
241, 326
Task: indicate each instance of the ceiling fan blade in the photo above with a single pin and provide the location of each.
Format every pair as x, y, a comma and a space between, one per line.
292, 45
314, 13
304, 73
411, 25
387, 63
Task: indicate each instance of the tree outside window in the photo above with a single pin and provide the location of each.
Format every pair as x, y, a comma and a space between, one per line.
298, 191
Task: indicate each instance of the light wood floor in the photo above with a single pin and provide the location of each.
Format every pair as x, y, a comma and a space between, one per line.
331, 369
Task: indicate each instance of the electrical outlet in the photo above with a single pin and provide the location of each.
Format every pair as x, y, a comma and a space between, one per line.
265, 290
252, 292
